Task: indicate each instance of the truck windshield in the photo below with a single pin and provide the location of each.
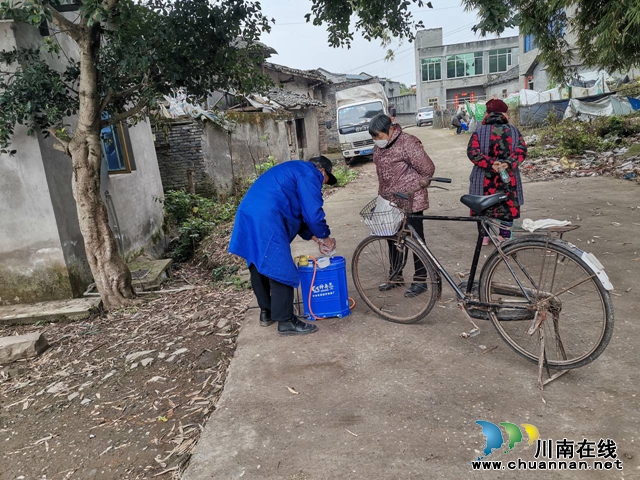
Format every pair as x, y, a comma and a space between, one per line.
358, 114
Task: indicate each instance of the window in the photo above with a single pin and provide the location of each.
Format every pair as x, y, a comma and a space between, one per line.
529, 43
529, 83
433, 102
504, 93
500, 60
116, 147
358, 116
464, 65
431, 69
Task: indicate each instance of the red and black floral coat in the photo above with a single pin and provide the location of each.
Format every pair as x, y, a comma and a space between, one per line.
505, 145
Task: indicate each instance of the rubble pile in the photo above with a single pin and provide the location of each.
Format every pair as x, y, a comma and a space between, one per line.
622, 162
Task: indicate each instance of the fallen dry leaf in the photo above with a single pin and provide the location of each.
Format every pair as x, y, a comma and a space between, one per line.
293, 391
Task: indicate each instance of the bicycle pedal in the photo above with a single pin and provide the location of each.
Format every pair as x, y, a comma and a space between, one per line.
471, 333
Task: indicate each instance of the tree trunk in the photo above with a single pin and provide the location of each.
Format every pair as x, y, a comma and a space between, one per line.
110, 272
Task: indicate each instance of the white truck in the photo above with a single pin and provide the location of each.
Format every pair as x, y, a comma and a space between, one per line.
355, 108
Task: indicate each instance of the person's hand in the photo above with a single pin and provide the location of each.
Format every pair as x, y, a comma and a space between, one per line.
327, 245
496, 167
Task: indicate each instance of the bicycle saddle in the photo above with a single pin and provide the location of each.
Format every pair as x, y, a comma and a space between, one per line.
479, 204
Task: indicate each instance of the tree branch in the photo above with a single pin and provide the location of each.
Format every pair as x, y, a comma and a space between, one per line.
124, 115
110, 96
74, 30
63, 145
109, 5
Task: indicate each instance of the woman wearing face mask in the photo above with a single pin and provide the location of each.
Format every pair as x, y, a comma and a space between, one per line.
400, 163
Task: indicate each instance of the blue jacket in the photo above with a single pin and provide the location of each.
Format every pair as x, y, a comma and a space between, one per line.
284, 202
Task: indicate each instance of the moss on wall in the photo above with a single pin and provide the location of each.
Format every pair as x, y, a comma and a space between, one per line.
43, 283
258, 118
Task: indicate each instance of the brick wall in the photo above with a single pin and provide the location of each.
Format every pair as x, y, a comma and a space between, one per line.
181, 152
329, 142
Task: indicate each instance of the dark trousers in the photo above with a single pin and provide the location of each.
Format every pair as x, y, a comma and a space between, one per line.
273, 296
459, 130
395, 258
503, 233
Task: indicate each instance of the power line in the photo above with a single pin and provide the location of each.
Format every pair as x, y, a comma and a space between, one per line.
411, 48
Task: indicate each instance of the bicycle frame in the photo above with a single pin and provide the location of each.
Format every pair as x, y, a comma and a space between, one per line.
463, 296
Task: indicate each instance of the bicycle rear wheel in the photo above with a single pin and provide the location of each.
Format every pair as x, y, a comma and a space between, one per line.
577, 310
372, 266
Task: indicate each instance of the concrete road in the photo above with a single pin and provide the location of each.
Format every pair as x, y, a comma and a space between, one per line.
387, 401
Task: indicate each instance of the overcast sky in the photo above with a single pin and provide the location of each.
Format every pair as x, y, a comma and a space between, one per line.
301, 45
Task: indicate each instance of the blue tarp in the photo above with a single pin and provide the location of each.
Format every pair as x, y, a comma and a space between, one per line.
635, 103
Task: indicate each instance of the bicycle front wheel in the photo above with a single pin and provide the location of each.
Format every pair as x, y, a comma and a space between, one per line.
394, 278
577, 322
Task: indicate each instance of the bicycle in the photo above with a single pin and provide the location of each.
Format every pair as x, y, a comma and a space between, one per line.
548, 300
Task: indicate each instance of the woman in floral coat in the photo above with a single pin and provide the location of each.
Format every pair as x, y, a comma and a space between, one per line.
401, 163
493, 147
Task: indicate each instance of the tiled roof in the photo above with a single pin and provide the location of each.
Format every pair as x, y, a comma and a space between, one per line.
311, 74
281, 98
508, 76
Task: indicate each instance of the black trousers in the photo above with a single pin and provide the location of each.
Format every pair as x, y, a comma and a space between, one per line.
420, 272
272, 296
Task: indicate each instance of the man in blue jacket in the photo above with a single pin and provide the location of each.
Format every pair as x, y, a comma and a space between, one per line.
284, 202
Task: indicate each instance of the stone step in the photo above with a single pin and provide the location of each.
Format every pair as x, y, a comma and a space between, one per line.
149, 274
55, 311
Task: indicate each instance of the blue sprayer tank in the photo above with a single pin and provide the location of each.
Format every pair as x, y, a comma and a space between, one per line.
330, 297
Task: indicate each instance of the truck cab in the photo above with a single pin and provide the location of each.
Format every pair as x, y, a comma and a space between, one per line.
355, 109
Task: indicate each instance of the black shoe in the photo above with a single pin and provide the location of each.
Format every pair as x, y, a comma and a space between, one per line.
295, 327
415, 289
265, 318
390, 285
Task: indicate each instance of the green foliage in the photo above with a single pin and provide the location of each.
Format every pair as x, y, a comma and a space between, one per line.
630, 89
573, 138
344, 175
263, 167
221, 273
147, 48
191, 233
607, 33
375, 19
616, 126
404, 90
34, 95
536, 152
195, 217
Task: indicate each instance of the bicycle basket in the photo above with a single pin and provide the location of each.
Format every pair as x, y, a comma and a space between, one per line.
382, 217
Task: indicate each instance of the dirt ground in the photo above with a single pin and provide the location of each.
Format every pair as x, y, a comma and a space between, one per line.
388, 401
122, 395
374, 400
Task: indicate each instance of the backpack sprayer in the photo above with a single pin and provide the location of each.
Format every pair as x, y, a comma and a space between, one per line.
323, 282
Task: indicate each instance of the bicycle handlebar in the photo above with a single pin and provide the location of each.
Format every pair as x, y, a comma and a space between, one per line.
424, 183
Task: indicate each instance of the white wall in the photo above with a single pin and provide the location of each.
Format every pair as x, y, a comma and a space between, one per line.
135, 195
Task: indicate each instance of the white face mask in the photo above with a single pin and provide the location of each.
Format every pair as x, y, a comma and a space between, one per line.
381, 143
